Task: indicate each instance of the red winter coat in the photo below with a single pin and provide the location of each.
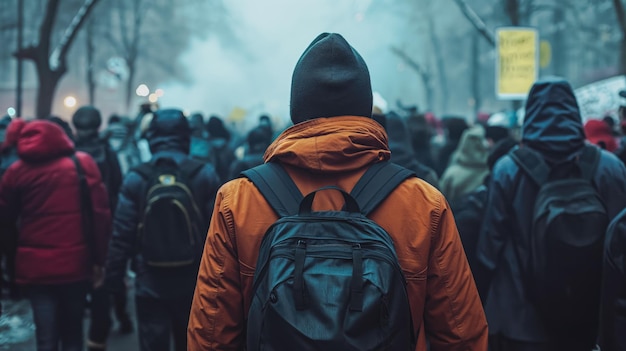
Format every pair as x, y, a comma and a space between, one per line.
41, 193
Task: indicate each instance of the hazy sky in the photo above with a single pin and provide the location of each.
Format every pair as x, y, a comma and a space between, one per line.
257, 75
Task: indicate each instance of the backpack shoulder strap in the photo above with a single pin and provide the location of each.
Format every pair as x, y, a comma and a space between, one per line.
532, 163
86, 207
377, 183
145, 170
276, 187
588, 162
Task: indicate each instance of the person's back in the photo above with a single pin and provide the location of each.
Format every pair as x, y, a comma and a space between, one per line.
220, 153
318, 152
163, 291
257, 141
87, 121
552, 129
55, 248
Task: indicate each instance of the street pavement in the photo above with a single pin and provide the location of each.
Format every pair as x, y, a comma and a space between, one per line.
17, 330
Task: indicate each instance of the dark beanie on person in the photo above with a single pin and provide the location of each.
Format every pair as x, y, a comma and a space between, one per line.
87, 117
330, 79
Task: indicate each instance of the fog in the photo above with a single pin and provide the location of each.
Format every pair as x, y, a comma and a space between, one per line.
254, 72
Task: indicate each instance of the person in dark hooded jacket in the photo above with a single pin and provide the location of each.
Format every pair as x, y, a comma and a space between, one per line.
401, 150
87, 121
257, 141
163, 295
553, 128
221, 155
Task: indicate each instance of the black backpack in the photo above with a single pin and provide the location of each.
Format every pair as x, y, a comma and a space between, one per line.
169, 231
328, 280
101, 154
563, 268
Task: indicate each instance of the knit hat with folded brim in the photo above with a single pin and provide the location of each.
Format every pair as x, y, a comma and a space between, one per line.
330, 79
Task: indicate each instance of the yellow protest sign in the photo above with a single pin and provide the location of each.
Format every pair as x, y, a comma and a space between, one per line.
517, 61
238, 114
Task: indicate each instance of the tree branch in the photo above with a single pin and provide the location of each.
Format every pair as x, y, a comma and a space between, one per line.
57, 58
412, 63
476, 21
45, 30
27, 53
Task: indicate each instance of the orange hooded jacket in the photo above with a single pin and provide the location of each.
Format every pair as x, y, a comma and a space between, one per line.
337, 151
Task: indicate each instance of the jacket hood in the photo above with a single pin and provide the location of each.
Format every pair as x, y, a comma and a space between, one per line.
331, 145
42, 141
552, 124
13, 132
472, 149
169, 130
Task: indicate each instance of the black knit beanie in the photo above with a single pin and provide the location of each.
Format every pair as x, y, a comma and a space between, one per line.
330, 79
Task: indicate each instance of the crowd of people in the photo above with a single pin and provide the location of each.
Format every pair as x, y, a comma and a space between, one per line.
508, 231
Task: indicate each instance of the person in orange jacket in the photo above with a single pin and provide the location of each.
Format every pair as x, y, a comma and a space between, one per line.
333, 142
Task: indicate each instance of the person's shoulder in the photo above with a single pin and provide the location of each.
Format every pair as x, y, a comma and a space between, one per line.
415, 190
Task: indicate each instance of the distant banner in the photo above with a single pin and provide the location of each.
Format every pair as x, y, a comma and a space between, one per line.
517, 61
600, 98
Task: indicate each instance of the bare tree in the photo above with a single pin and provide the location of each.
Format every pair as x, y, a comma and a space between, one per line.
621, 19
423, 73
52, 65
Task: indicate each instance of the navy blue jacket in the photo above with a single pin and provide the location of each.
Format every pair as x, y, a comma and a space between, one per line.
150, 282
553, 127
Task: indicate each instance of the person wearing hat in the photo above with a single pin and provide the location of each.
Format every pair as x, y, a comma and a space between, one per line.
86, 121
334, 141
162, 294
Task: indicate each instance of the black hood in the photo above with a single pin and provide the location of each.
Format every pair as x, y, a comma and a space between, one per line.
169, 130
552, 124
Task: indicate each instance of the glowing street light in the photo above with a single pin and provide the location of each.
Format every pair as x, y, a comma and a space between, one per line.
69, 101
153, 98
11, 112
142, 90
159, 92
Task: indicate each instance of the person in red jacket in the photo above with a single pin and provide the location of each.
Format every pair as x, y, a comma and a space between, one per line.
56, 259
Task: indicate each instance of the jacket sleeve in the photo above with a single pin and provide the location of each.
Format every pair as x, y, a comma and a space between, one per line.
100, 206
496, 227
125, 223
453, 313
216, 321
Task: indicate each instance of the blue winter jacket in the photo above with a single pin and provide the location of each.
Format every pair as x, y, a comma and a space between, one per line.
151, 282
553, 127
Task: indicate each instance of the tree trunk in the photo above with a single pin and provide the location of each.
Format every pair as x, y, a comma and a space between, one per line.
621, 19
439, 63
91, 83
558, 53
48, 82
130, 82
475, 74
512, 10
